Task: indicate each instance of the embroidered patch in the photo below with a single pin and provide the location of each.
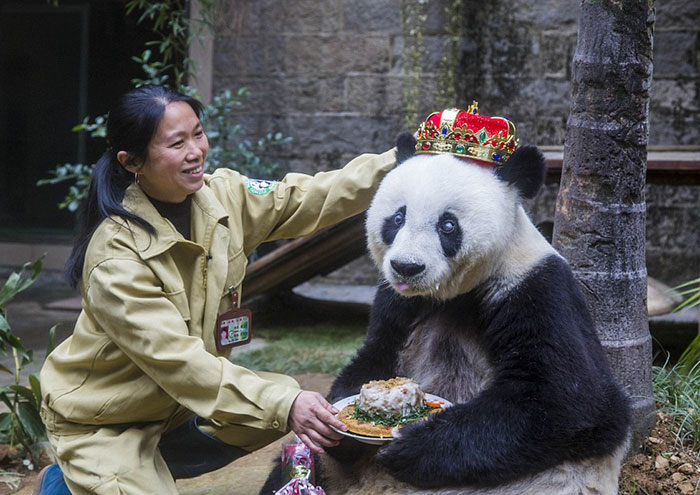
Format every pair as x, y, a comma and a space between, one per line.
259, 186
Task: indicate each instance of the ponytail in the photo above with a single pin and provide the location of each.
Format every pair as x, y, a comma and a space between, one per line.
107, 186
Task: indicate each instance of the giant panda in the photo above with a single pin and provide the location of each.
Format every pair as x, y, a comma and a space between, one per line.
478, 308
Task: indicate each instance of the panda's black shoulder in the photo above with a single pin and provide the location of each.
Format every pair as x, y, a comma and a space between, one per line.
546, 310
550, 282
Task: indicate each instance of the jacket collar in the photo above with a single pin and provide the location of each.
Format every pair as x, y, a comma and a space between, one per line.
206, 213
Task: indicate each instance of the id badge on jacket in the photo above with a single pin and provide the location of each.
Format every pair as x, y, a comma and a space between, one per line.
233, 327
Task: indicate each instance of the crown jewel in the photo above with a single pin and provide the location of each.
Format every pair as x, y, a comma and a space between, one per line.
466, 134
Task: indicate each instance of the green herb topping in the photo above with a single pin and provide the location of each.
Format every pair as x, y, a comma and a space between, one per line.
396, 420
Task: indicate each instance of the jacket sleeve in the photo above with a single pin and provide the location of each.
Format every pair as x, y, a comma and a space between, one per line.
301, 204
125, 296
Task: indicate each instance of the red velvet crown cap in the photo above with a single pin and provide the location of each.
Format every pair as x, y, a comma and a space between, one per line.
466, 134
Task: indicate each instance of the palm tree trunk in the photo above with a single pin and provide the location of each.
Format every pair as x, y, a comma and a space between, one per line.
599, 223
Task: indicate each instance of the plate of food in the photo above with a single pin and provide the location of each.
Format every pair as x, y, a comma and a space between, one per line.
382, 407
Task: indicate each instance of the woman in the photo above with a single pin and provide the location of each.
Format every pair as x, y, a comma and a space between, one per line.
143, 392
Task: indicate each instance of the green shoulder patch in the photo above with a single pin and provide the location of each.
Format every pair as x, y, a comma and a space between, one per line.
260, 186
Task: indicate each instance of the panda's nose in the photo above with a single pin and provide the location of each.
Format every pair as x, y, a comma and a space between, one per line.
407, 269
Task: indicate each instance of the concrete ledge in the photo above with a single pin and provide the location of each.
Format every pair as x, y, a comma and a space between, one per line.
16, 254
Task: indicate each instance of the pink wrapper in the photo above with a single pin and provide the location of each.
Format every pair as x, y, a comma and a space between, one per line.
297, 462
298, 471
300, 487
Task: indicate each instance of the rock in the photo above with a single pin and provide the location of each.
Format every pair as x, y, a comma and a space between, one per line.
677, 477
654, 440
686, 488
674, 459
661, 463
686, 468
661, 299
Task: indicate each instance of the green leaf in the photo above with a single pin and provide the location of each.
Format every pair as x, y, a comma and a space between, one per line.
25, 393
17, 282
52, 340
31, 421
35, 384
5, 399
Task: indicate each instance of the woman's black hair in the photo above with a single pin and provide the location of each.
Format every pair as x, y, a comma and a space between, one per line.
131, 125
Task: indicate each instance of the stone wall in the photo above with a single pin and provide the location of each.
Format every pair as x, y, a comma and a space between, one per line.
330, 73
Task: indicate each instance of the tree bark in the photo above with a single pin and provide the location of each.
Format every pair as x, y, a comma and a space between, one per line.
599, 223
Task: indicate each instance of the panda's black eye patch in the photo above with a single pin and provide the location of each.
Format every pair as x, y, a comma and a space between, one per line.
393, 224
450, 234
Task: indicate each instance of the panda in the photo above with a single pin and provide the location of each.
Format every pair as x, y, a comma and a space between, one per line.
478, 308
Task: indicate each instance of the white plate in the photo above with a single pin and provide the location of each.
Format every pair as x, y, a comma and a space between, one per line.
340, 405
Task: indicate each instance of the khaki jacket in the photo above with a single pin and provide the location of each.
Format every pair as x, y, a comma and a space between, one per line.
143, 344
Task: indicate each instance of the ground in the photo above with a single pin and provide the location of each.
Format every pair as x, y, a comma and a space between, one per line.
662, 468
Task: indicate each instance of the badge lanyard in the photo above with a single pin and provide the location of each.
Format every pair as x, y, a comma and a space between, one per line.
233, 327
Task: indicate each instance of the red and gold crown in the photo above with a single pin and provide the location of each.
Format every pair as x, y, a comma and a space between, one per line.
466, 134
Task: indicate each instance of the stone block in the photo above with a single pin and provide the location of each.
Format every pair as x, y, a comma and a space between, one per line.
675, 228
677, 14
333, 95
375, 95
342, 133
674, 115
311, 16
556, 53
248, 56
337, 54
363, 16
672, 268
260, 18
675, 54
659, 195
267, 94
544, 15
549, 131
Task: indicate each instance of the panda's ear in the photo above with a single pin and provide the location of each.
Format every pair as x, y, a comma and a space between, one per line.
405, 147
525, 169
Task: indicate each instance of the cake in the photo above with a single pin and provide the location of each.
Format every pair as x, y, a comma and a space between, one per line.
384, 405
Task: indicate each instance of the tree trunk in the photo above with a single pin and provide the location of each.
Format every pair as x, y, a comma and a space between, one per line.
599, 224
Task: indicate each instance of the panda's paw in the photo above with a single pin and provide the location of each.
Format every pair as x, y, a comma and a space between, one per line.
405, 458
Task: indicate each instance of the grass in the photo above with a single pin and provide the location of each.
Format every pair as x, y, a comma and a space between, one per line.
304, 349
677, 389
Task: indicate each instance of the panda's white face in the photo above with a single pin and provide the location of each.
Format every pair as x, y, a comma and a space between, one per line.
438, 224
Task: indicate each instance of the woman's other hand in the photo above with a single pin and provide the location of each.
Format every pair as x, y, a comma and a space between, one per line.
310, 418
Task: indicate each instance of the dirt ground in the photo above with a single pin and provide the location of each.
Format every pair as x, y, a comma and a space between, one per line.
662, 468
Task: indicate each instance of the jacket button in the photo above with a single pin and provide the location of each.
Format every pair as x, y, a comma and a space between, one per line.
275, 424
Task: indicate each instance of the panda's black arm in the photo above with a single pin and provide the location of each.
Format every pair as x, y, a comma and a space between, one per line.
516, 427
552, 398
389, 324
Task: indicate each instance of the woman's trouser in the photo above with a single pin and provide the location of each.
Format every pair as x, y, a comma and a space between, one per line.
146, 458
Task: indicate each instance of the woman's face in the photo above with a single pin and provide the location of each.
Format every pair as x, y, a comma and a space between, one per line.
174, 167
